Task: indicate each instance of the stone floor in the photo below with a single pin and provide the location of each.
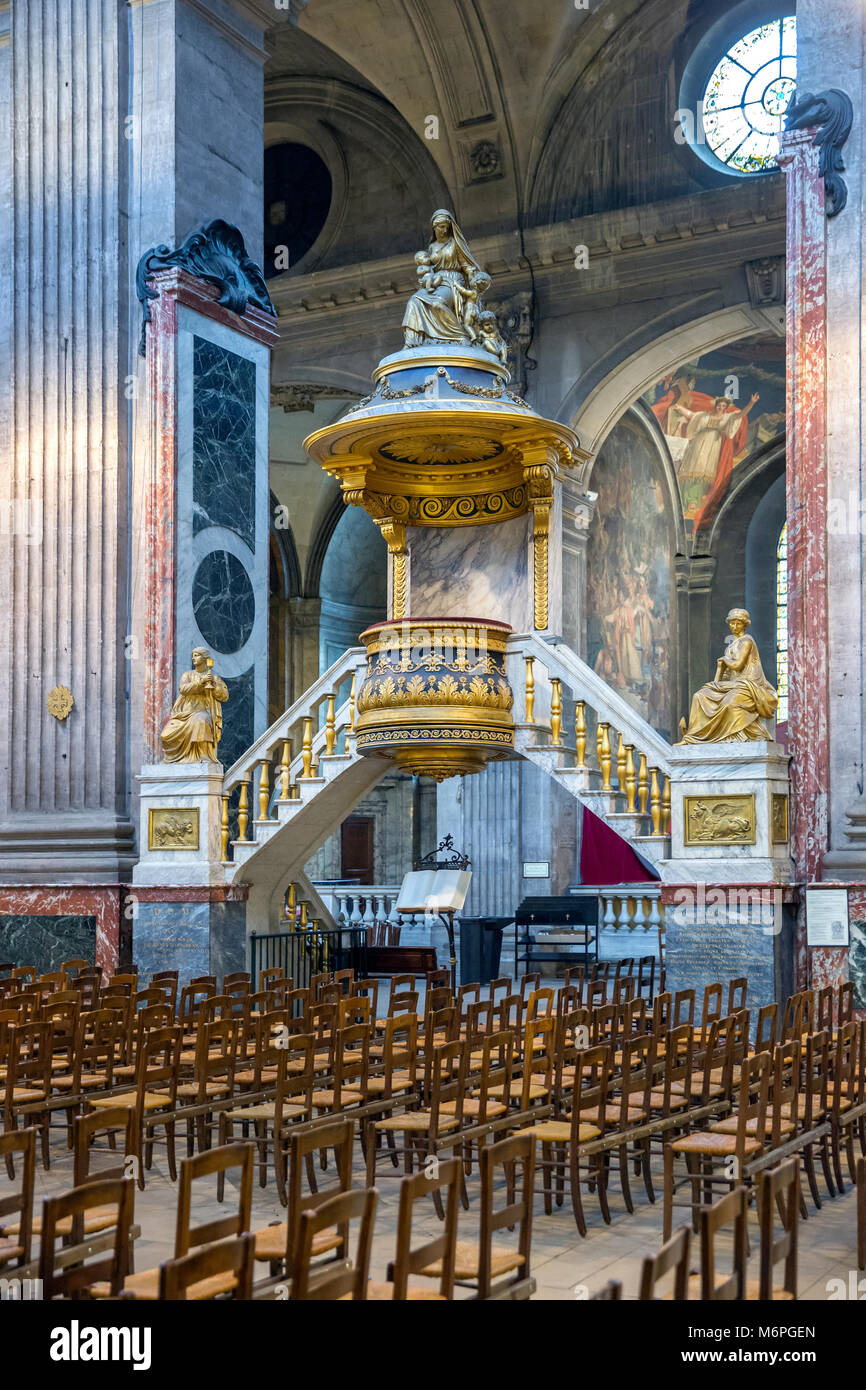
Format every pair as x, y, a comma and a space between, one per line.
565, 1266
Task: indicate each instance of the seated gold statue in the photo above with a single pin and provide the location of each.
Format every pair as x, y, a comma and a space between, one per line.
735, 704
193, 732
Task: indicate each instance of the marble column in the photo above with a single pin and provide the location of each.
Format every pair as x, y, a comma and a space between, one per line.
133, 124
64, 818
807, 502
825, 494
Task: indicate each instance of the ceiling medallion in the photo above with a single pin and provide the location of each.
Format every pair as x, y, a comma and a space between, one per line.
59, 702
427, 449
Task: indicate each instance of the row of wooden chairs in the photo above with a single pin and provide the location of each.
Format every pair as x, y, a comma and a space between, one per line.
309, 1256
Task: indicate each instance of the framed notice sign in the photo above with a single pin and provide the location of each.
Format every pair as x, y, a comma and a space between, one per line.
826, 917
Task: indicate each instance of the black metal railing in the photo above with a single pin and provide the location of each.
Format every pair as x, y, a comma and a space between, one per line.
309, 951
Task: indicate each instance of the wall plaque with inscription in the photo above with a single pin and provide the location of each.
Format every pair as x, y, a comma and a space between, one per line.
719, 820
172, 827
705, 945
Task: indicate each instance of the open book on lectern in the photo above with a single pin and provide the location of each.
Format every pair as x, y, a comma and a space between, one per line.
434, 890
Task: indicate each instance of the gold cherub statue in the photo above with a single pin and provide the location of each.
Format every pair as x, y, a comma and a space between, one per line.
735, 704
194, 730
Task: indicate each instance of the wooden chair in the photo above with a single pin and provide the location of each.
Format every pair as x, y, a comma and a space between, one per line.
28, 1082
346, 1278
561, 1139
431, 1127
154, 1097
278, 1244
16, 1237
778, 1191
69, 1211
223, 1270
497, 1271
145, 1285
715, 1156
292, 1069
674, 1255
729, 1210
213, 1078
440, 1250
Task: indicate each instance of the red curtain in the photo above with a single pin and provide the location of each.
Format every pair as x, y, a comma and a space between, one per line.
605, 858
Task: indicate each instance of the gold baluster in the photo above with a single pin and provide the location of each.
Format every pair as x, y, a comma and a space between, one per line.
351, 709
604, 756
655, 801
291, 911
630, 780
555, 711
244, 809
224, 830
530, 691
620, 764
296, 792
580, 732
642, 786
304, 915
307, 747
286, 770
666, 807
330, 727
264, 788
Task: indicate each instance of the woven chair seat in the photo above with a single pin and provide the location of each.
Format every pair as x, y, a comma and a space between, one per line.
729, 1126
472, 1106
271, 1241
189, 1090
384, 1293
153, 1100
713, 1145
324, 1100
417, 1122
559, 1132
92, 1080
468, 1257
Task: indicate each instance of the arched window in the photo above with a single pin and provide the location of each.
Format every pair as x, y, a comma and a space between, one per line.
782, 624
747, 95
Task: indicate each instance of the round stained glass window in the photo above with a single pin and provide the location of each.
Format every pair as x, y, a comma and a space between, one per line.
744, 104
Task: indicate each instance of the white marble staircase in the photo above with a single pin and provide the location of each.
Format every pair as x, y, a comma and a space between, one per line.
303, 776
585, 735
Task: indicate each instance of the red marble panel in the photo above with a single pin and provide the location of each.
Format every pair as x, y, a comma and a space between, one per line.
106, 904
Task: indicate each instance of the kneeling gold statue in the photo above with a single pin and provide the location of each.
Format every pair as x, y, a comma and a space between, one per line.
735, 704
193, 732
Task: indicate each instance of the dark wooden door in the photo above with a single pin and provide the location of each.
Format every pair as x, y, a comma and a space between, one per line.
356, 846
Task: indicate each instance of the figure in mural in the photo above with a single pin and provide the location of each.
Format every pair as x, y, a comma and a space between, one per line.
735, 704
447, 306
704, 454
630, 578
194, 730
708, 461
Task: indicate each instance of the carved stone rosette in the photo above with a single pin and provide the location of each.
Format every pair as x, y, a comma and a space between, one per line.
435, 698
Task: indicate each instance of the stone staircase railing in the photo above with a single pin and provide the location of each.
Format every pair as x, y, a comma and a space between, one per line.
579, 730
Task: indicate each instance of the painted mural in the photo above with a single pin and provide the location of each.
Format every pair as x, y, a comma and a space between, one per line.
630, 575
715, 412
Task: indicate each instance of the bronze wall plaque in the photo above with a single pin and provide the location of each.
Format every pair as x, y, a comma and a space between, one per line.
780, 818
719, 820
172, 827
